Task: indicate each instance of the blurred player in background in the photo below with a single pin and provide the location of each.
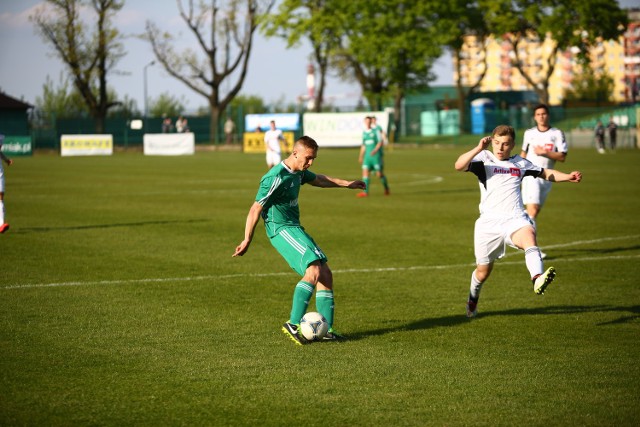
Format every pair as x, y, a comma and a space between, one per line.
3, 225
272, 139
503, 220
371, 156
542, 145
277, 203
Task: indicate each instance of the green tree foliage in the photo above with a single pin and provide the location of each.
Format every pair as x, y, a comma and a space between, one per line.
569, 24
315, 21
249, 104
461, 19
166, 105
389, 47
590, 86
60, 101
223, 32
90, 49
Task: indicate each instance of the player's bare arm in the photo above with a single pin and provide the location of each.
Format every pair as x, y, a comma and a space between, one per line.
328, 182
553, 155
557, 176
462, 164
361, 158
252, 220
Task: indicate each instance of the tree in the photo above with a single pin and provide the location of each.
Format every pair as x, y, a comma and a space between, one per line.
90, 50
591, 86
575, 24
463, 22
224, 33
389, 47
317, 21
60, 101
166, 105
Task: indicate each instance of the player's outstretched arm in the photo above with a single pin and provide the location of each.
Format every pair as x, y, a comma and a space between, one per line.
252, 220
462, 164
328, 182
557, 176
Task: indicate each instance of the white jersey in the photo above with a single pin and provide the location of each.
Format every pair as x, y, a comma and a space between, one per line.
552, 140
272, 139
500, 183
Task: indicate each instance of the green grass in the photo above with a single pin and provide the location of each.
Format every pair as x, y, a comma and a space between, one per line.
120, 303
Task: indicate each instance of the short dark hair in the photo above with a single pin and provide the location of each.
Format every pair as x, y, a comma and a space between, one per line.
307, 142
504, 130
545, 107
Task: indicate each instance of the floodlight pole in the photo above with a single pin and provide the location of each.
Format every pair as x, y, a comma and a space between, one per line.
146, 106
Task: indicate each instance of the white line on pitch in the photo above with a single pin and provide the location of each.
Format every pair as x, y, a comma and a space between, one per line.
348, 270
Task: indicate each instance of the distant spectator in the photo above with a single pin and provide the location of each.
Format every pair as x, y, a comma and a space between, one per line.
180, 125
599, 133
229, 128
613, 133
167, 126
185, 126
3, 225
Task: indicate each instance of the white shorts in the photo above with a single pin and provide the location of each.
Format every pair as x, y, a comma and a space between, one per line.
1, 178
535, 190
273, 158
491, 235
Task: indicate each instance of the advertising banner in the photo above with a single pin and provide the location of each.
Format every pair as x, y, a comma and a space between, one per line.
169, 144
17, 146
253, 142
284, 121
340, 129
86, 145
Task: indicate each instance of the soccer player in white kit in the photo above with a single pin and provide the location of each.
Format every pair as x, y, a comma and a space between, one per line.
272, 139
503, 220
3, 225
542, 145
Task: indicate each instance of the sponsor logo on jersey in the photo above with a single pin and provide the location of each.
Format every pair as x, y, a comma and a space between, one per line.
507, 171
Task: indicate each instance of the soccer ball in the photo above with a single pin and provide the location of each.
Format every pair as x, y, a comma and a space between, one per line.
313, 326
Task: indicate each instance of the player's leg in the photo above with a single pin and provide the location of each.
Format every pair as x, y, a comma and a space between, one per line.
365, 178
305, 257
324, 294
383, 178
488, 245
478, 277
3, 225
525, 238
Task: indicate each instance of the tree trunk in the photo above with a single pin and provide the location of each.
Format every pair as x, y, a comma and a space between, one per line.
214, 119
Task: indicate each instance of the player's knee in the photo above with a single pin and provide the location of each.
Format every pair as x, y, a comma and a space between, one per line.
312, 274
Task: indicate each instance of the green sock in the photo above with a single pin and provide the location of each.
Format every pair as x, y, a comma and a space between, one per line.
366, 184
324, 305
384, 182
301, 296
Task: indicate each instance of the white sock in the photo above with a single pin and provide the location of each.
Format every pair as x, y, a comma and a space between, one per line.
474, 289
1, 212
534, 261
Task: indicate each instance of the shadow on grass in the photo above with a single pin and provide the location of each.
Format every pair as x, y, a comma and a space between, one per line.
588, 251
99, 226
448, 321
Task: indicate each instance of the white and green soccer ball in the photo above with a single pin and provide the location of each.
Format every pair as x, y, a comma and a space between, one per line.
313, 326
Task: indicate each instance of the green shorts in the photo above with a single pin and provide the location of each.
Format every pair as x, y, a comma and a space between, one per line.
372, 163
297, 248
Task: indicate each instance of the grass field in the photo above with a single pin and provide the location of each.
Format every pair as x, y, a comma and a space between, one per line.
120, 303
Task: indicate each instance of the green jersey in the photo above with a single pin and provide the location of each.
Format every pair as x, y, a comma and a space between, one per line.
378, 130
370, 139
278, 195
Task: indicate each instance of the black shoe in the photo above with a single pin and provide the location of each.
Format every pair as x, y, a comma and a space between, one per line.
291, 331
334, 336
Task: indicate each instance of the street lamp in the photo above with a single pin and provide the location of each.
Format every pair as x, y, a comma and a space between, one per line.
146, 107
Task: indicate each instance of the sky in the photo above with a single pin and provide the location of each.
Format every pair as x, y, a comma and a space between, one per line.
275, 73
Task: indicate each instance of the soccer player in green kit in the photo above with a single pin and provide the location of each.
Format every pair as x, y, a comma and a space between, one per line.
371, 157
277, 204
